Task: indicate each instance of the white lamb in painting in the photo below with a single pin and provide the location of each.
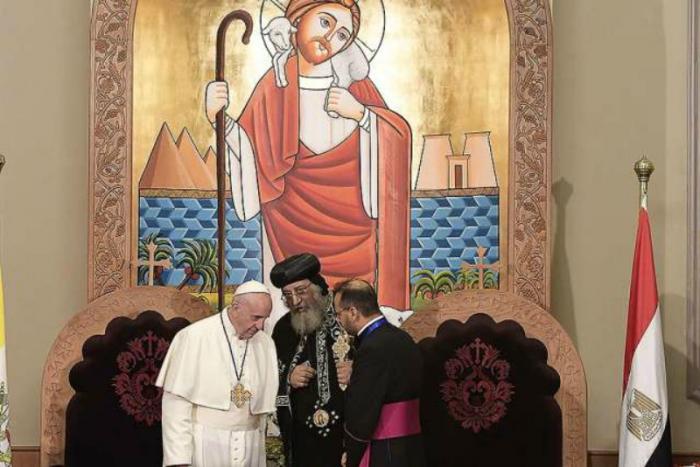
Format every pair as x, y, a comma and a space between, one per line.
348, 65
280, 31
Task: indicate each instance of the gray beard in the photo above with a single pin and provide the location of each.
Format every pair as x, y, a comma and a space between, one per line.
304, 323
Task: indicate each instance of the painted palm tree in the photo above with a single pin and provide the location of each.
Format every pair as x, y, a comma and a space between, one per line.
198, 257
164, 250
490, 279
432, 285
468, 278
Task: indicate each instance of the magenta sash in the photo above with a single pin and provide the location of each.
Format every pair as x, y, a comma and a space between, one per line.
397, 420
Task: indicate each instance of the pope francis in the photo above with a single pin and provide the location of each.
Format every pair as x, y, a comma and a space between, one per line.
219, 382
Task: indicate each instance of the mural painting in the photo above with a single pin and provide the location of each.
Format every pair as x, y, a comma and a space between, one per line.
382, 147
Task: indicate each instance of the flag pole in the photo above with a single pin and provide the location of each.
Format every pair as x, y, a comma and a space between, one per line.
645, 431
643, 168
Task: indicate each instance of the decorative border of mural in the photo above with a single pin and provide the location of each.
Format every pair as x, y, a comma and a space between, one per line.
538, 324
530, 173
109, 219
67, 351
109, 240
693, 318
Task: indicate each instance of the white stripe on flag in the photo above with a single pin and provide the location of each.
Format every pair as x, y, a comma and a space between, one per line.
647, 376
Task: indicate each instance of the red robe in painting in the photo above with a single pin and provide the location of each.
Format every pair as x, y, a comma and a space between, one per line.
313, 202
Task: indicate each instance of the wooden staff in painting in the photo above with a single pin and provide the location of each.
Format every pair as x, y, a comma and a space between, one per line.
192, 387
245, 17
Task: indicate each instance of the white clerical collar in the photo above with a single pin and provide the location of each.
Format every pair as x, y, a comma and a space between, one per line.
369, 324
315, 83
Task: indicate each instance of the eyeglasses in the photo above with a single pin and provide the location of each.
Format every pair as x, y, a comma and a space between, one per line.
301, 291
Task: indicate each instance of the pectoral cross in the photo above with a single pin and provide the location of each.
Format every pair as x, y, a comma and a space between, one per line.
341, 349
240, 395
152, 263
481, 266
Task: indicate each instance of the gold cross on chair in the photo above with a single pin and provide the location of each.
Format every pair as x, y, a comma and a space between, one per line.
152, 263
481, 266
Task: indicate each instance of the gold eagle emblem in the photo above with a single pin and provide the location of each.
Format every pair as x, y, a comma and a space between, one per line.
644, 416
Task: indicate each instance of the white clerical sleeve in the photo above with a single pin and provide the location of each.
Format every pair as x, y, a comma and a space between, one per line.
178, 436
242, 170
369, 163
183, 374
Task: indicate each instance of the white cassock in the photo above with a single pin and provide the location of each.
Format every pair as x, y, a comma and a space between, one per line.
202, 427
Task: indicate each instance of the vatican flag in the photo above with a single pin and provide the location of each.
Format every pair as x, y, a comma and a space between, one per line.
5, 453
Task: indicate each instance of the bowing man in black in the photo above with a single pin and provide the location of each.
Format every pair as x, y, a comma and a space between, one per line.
382, 426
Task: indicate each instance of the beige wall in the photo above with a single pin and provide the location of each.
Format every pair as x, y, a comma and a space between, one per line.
44, 81
620, 91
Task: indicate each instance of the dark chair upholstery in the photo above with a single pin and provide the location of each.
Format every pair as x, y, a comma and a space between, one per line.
488, 397
114, 417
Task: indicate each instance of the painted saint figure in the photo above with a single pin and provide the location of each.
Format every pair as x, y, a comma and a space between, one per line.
319, 154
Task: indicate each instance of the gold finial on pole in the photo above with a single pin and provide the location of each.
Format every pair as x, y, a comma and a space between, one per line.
644, 168
2, 162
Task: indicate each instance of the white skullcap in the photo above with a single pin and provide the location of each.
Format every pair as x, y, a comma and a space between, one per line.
251, 287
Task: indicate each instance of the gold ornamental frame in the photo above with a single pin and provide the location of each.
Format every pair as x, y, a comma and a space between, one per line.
110, 252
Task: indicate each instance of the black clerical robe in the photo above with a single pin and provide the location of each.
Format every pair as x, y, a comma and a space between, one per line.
310, 418
388, 368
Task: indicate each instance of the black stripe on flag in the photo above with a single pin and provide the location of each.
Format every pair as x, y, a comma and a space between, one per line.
662, 454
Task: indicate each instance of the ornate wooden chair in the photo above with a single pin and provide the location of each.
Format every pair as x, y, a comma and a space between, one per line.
504, 385
99, 404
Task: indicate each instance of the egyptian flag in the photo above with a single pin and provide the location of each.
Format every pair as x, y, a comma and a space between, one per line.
645, 432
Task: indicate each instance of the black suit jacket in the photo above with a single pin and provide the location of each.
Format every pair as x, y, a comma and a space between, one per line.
388, 368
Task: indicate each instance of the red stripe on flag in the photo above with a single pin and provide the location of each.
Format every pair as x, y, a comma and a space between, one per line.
644, 297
